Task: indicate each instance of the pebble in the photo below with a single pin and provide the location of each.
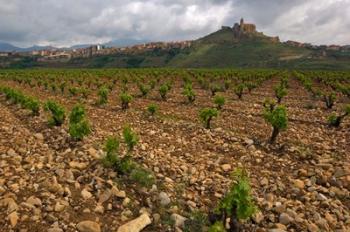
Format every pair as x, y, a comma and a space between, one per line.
299, 184
88, 226
226, 167
39, 136
164, 199
13, 218
179, 220
86, 194
136, 225
285, 219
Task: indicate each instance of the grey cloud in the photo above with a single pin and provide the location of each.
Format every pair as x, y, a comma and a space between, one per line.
66, 22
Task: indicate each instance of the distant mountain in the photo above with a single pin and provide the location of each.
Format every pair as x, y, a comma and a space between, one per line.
6, 47
37, 48
79, 46
125, 42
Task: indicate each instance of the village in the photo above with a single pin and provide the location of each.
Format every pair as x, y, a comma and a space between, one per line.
57, 54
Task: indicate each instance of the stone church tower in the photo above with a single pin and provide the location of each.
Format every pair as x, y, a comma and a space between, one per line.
241, 23
243, 28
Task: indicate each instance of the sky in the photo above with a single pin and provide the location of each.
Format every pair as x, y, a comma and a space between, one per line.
69, 22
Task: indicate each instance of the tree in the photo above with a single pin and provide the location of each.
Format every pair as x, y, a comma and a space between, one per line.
112, 149
214, 88
189, 93
130, 138
57, 113
78, 124
335, 120
219, 101
144, 89
152, 109
237, 204
103, 95
277, 117
280, 92
33, 105
329, 99
239, 89
125, 98
163, 90
206, 115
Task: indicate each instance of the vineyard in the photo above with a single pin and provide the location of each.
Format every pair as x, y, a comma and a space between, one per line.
174, 150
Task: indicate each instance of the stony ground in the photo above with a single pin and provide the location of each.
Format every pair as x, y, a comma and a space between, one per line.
49, 183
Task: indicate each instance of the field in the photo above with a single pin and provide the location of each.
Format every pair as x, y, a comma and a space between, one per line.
67, 172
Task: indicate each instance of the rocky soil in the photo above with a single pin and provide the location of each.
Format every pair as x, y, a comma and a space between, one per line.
49, 183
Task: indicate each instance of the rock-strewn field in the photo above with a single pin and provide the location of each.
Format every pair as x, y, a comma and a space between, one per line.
49, 183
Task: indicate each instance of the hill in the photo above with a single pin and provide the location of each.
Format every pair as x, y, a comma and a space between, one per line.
230, 47
225, 48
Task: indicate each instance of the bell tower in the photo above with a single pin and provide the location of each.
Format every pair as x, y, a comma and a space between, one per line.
241, 22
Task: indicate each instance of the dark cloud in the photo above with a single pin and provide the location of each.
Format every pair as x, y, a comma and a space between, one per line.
67, 22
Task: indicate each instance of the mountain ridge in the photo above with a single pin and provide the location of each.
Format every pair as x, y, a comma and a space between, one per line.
8, 47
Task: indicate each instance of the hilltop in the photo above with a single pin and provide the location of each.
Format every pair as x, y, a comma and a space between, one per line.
238, 46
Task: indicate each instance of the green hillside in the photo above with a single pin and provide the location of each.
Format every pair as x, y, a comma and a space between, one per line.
221, 49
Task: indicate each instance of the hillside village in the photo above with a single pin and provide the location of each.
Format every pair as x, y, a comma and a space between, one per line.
95, 50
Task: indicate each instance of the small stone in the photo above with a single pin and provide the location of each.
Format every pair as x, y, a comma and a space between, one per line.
11, 152
258, 217
13, 218
312, 227
330, 219
59, 207
39, 136
77, 165
280, 208
226, 167
11, 206
321, 197
93, 153
86, 194
191, 204
105, 196
164, 199
285, 219
86, 210
264, 181
248, 142
269, 197
277, 230
156, 217
179, 220
126, 202
55, 229
299, 184
88, 226
99, 209
120, 194
168, 180
136, 225
34, 201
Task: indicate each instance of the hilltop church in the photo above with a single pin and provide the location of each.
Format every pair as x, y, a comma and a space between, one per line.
243, 28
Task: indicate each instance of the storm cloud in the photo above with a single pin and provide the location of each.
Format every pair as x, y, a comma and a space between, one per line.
67, 22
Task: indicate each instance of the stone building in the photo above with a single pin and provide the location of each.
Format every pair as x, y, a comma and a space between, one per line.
243, 28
